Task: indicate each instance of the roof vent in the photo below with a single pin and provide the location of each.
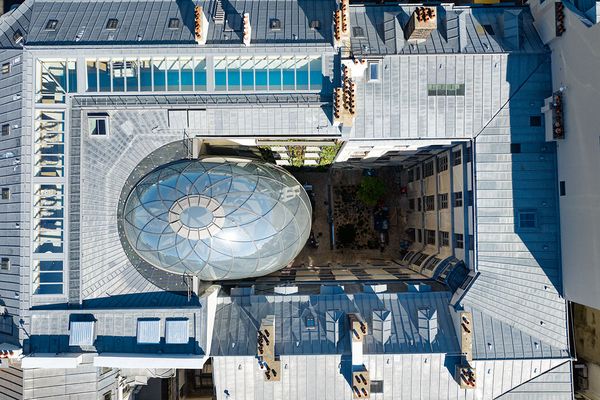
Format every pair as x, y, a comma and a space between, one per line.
174, 23
382, 325
275, 24
219, 13
422, 22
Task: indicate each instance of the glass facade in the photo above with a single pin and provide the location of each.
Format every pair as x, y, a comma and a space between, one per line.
55, 79
218, 218
230, 74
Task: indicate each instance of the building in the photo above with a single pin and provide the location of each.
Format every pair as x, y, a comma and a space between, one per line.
96, 96
569, 30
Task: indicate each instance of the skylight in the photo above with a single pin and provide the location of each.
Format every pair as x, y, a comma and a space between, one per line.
174, 23
112, 24
275, 24
51, 25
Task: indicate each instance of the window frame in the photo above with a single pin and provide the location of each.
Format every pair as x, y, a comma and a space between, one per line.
457, 199
456, 157
442, 201
532, 224
459, 241
429, 235
98, 117
444, 238
442, 163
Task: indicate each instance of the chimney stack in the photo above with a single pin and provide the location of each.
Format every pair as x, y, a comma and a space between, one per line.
341, 24
466, 335
247, 29
344, 100
422, 22
201, 28
265, 349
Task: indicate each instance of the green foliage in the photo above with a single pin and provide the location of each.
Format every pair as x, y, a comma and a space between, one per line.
370, 190
296, 154
328, 154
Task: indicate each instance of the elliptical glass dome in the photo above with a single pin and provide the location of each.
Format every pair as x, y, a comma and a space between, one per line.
218, 218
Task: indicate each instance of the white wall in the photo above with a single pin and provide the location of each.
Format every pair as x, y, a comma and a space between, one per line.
576, 67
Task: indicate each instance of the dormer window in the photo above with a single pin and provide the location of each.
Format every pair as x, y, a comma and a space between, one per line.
112, 24
315, 25
174, 23
51, 25
275, 24
18, 37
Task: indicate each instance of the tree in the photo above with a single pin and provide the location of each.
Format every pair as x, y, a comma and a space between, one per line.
370, 190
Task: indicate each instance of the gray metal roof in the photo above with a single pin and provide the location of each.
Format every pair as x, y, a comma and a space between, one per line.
146, 22
520, 282
460, 30
119, 331
405, 376
13, 175
15, 24
554, 384
238, 318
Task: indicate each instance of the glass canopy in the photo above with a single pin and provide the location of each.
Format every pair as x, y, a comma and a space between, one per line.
218, 218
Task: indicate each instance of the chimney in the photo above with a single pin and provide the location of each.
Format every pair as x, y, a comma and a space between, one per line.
201, 28
466, 335
341, 24
422, 22
361, 383
247, 29
465, 375
344, 100
265, 349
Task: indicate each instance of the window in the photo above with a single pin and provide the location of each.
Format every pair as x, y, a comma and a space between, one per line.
275, 24
456, 157
446, 89
5, 129
310, 322
411, 204
428, 169
358, 32
468, 154
5, 193
419, 204
417, 173
411, 175
315, 25
107, 396
419, 236
442, 163
444, 238
411, 234
112, 24
458, 200
5, 68
420, 259
535, 120
515, 148
442, 201
563, 188
51, 25
48, 277
98, 124
527, 219
376, 386
174, 23
373, 71
470, 198
430, 237
429, 202
18, 37
459, 240
5, 264
471, 242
